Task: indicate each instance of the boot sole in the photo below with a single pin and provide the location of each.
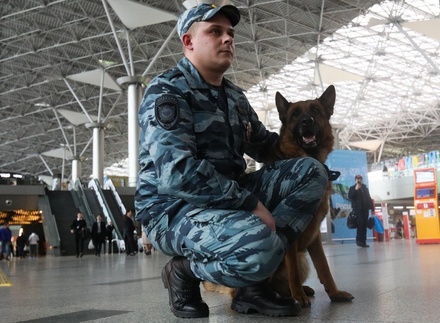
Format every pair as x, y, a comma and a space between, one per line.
246, 308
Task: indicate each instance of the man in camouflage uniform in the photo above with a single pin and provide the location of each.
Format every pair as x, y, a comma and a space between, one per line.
193, 197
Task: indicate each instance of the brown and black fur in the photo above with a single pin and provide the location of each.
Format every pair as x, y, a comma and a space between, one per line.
305, 131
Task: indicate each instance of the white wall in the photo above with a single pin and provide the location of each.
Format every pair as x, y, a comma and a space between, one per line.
383, 190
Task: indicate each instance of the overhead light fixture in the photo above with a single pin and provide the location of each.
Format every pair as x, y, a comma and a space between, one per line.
105, 63
398, 207
42, 104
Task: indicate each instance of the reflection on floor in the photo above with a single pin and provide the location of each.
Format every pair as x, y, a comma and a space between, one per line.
396, 281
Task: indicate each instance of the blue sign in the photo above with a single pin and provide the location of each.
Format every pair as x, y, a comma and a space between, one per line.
349, 163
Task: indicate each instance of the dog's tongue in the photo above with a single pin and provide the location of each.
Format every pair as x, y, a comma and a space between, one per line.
308, 139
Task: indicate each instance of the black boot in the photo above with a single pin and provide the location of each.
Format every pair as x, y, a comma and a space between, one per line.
183, 289
262, 299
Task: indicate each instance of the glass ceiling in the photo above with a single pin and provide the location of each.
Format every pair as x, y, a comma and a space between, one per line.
384, 65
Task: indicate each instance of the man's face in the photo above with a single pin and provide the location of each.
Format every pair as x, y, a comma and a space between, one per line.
212, 44
359, 180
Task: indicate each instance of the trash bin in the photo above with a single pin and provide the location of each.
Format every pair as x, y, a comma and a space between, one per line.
379, 237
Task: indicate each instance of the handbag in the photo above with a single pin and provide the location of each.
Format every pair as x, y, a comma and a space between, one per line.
352, 222
370, 222
91, 245
378, 225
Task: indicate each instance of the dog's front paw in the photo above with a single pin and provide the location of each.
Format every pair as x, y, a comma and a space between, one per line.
341, 296
309, 291
304, 301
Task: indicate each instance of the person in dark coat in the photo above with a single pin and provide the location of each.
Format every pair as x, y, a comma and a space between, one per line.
78, 228
21, 243
5, 240
361, 204
98, 234
129, 233
109, 235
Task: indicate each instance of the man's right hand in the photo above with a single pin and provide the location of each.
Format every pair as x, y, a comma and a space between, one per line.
265, 216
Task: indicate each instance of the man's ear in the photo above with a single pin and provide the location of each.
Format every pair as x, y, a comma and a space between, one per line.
187, 41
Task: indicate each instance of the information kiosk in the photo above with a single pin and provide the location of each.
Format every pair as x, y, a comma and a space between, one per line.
426, 206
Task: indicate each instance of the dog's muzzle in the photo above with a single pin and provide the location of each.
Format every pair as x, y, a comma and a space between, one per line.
307, 132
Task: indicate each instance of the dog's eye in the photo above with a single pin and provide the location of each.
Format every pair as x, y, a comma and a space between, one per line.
315, 109
296, 112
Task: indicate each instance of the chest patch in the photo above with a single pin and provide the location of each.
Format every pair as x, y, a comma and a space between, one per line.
167, 112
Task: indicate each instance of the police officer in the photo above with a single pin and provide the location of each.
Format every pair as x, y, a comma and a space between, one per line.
193, 197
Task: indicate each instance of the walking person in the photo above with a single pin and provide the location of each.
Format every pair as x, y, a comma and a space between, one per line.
78, 229
5, 240
21, 242
147, 244
361, 204
109, 227
194, 198
33, 244
98, 234
129, 233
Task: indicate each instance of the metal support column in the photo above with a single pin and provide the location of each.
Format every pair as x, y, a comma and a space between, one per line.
98, 150
134, 86
76, 168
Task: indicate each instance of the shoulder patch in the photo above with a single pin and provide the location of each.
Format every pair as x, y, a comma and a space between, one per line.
167, 111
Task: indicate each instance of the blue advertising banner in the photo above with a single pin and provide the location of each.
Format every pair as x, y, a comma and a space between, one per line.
349, 163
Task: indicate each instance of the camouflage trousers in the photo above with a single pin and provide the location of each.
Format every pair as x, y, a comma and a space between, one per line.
234, 247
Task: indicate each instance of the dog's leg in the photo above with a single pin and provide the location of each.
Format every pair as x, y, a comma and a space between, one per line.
305, 271
320, 263
295, 278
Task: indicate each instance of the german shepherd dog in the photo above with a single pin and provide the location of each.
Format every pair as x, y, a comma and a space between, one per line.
305, 131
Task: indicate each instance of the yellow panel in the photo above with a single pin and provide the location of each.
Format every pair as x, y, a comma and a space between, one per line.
4, 281
427, 222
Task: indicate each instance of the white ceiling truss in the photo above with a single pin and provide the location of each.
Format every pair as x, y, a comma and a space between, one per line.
60, 61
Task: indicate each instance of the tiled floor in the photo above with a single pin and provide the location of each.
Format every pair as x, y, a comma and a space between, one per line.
395, 281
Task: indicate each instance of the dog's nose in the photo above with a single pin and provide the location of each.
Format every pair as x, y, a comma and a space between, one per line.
307, 121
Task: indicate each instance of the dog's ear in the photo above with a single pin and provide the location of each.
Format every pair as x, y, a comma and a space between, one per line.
282, 106
328, 98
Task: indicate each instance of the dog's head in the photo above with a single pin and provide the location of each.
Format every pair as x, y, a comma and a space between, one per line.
306, 129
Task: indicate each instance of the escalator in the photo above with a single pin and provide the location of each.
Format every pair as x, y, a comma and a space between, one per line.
90, 201
114, 209
107, 210
93, 203
63, 208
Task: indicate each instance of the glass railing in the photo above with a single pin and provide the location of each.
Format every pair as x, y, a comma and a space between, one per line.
50, 228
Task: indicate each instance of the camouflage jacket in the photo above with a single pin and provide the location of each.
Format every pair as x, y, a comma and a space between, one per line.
193, 151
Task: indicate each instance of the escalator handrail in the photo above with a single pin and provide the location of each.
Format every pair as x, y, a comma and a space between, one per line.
109, 185
81, 202
94, 184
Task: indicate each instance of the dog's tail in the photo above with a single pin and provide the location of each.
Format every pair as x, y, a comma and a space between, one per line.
211, 287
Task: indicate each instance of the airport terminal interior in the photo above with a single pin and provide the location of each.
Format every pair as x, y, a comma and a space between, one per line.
72, 76
394, 281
